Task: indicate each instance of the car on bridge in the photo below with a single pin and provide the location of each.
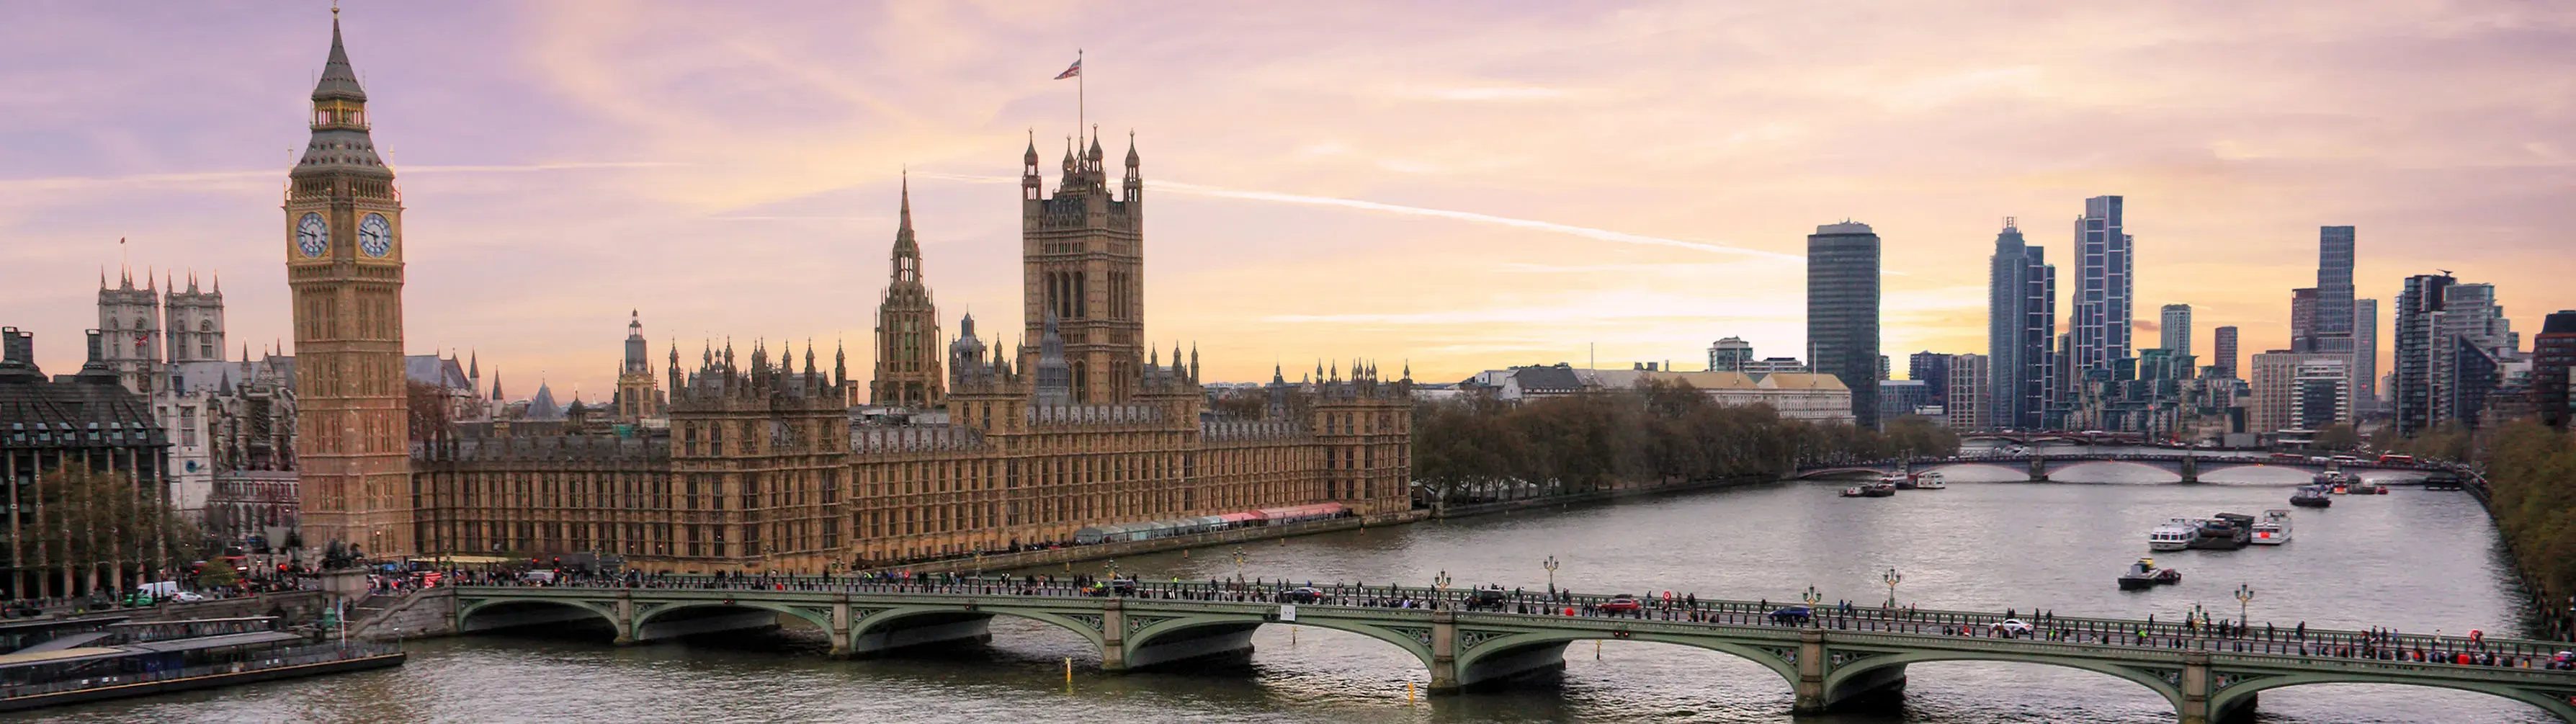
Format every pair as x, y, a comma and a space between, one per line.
2012, 627
1622, 603
1487, 597
1793, 616
1302, 594
1111, 587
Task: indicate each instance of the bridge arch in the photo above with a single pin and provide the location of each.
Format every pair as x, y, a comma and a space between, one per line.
886, 619
2231, 696
1820, 473
1522, 642
494, 608
2016, 467
1148, 634
2167, 467
1864, 668
647, 615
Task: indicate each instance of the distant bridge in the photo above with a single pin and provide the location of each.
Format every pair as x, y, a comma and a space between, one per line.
1829, 661
2040, 466
2047, 436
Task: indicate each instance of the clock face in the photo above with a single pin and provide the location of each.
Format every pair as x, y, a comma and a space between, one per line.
312, 236
375, 236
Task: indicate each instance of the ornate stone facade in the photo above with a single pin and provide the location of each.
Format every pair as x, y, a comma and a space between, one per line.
768, 466
907, 328
344, 267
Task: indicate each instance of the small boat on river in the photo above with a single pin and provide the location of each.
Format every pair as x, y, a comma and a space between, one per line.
1929, 481
2311, 497
1880, 490
2226, 532
1852, 493
2273, 529
2144, 574
2175, 535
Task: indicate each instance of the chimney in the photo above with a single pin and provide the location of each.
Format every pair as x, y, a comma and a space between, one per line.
95, 370
17, 347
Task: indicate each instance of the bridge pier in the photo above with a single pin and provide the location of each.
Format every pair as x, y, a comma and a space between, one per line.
625, 619
2038, 469
1113, 636
841, 628
1811, 673
1444, 652
2197, 686
2190, 468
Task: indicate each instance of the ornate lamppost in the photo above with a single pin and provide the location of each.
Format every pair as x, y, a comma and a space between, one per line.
1550, 564
1892, 578
2244, 597
1238, 564
1812, 597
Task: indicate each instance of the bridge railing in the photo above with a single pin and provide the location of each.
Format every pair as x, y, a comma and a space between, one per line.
1670, 607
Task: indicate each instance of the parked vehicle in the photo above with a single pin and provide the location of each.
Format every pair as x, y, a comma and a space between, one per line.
1621, 603
2011, 627
1302, 594
1793, 616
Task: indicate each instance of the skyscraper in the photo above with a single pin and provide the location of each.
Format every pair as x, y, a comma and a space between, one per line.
1842, 311
2177, 328
2472, 340
2411, 392
2021, 331
2104, 281
344, 267
2332, 328
2365, 355
2224, 361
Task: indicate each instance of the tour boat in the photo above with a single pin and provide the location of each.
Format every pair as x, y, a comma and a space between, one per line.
1898, 482
2311, 497
2145, 574
1881, 490
1853, 493
2225, 532
2273, 529
1929, 481
2173, 536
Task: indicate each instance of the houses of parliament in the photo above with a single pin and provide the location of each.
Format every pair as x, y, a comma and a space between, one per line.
762, 460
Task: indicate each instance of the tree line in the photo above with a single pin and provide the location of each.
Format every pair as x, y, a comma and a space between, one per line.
1477, 448
97, 530
2529, 468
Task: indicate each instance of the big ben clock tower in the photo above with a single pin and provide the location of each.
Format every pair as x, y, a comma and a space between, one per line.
344, 245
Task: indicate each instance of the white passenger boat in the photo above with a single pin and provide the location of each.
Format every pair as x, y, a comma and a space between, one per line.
2174, 535
1929, 481
2273, 529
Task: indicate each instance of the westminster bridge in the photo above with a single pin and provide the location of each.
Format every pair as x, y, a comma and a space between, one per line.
1834, 658
2040, 466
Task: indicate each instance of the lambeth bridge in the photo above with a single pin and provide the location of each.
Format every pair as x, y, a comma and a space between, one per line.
2041, 465
1832, 658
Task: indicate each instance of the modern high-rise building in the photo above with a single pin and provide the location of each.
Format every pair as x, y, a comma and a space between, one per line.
344, 268
2104, 281
1970, 380
2365, 355
2334, 312
2177, 329
2021, 331
2553, 352
2480, 341
2224, 363
2303, 320
2320, 393
2281, 383
1842, 311
1933, 368
1729, 355
2418, 309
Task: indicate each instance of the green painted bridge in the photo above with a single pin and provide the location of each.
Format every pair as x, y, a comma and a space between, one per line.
1831, 660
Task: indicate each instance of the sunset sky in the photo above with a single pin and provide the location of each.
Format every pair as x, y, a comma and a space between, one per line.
1458, 185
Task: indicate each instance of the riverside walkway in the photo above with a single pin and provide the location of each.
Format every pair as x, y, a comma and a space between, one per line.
1833, 658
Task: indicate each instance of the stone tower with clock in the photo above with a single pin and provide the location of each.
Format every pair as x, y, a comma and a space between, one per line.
345, 272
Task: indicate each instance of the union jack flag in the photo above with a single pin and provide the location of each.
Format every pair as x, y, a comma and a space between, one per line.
1070, 72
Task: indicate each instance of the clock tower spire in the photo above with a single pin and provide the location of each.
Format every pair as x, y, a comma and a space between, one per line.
344, 270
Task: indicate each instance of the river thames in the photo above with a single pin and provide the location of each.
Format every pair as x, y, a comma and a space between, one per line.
2416, 560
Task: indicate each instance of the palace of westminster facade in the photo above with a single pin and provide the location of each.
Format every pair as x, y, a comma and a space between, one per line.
756, 462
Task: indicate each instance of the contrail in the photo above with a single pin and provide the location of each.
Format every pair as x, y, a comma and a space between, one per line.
1468, 216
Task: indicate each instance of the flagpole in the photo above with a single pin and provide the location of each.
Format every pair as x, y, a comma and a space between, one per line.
1081, 114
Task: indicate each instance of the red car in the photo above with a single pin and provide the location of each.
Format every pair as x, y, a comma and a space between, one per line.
1621, 604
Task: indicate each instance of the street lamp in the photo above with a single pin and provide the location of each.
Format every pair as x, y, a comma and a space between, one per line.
1440, 582
1550, 563
1812, 598
1238, 564
1112, 566
1892, 578
2244, 596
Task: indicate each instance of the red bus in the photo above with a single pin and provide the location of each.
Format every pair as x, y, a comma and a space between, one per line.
2396, 459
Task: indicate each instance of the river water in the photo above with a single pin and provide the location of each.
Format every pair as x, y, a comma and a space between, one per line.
2415, 560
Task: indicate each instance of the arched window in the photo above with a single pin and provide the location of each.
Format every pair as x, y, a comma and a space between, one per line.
206, 326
